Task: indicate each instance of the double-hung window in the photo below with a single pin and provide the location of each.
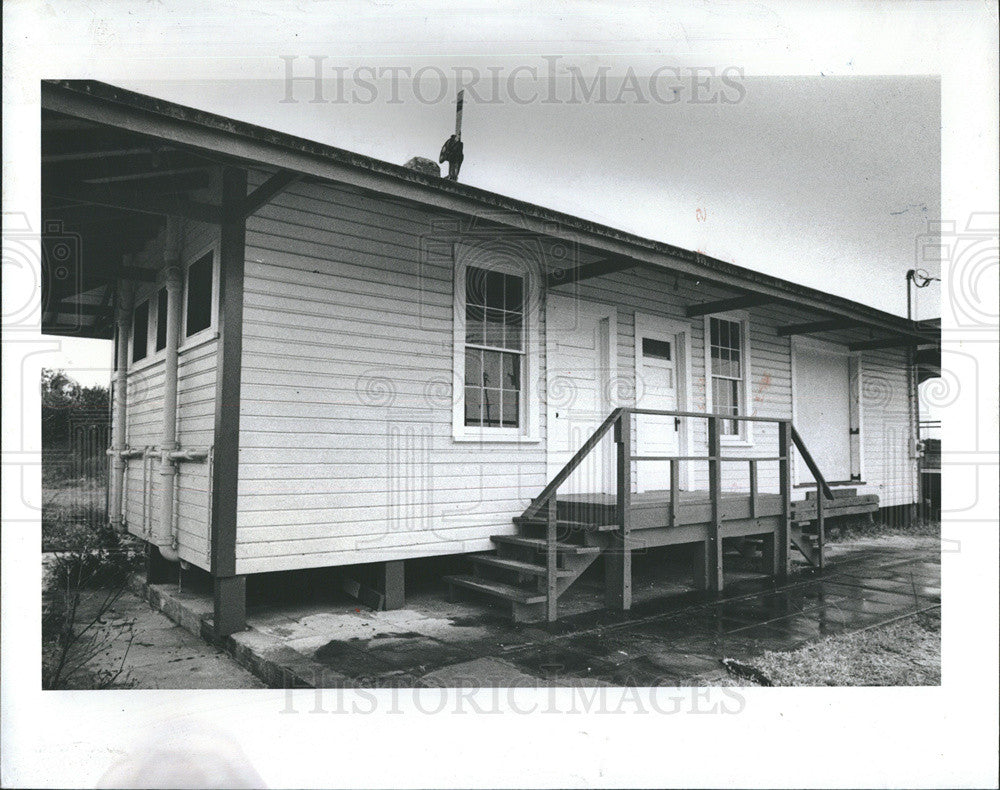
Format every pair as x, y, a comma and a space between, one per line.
727, 360
494, 349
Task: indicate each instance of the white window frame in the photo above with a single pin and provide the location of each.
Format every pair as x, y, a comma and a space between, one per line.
530, 405
744, 436
186, 341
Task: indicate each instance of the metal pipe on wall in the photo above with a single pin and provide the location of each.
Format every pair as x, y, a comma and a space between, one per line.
120, 396
165, 537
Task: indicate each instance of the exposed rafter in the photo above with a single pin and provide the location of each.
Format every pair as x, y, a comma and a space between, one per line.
587, 270
129, 200
898, 341
270, 189
811, 327
733, 303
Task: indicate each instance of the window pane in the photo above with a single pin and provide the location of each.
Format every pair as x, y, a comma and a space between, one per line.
514, 293
511, 372
473, 367
473, 396
474, 324
494, 328
510, 409
140, 331
514, 331
475, 286
714, 325
494, 290
491, 408
161, 319
655, 349
199, 295
491, 369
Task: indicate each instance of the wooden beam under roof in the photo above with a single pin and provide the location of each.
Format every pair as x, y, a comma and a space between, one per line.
129, 200
810, 327
733, 303
269, 190
899, 341
587, 270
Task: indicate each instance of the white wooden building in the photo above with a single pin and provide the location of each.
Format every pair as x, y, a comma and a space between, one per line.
328, 360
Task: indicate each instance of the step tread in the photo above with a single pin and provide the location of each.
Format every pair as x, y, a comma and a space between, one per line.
507, 592
566, 524
541, 545
515, 565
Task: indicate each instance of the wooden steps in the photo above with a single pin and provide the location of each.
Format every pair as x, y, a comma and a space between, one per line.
516, 566
497, 589
563, 525
539, 544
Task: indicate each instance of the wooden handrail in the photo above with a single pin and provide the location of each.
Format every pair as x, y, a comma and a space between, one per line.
813, 467
536, 504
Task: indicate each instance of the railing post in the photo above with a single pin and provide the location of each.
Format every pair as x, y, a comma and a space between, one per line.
753, 489
785, 485
618, 560
551, 561
820, 526
675, 484
715, 581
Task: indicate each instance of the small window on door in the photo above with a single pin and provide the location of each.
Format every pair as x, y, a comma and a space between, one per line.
140, 331
656, 349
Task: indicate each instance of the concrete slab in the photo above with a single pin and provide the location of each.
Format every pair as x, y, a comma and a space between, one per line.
672, 636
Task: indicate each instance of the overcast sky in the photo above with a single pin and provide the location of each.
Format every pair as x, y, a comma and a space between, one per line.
825, 181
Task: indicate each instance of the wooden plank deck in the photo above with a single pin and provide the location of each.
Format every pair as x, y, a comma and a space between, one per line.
652, 524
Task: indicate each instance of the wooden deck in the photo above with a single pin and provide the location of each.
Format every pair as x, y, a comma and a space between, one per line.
654, 524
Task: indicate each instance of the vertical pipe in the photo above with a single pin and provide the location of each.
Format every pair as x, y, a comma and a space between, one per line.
120, 396
166, 541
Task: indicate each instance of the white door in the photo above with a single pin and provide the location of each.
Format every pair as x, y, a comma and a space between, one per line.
823, 410
656, 368
580, 357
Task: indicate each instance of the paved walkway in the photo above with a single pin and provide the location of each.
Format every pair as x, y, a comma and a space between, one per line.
163, 655
674, 640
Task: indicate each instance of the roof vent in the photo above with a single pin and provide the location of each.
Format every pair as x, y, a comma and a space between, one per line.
424, 165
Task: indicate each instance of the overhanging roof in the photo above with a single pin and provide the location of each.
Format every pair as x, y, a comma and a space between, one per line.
221, 139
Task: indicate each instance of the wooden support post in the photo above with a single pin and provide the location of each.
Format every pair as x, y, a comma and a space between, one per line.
820, 526
551, 561
700, 563
618, 560
785, 485
230, 588
753, 489
674, 491
230, 604
770, 554
715, 579
158, 570
390, 583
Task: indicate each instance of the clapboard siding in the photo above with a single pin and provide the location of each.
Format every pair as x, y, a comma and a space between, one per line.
346, 447
196, 390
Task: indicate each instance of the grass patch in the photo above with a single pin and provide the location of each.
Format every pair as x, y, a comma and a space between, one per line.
906, 652
854, 527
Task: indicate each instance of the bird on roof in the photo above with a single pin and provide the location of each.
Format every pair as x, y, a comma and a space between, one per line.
451, 152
